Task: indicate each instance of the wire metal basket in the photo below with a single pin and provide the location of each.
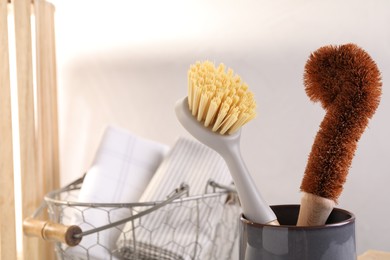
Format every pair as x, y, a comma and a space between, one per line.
179, 227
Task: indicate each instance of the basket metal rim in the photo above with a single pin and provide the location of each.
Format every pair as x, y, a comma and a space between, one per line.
50, 199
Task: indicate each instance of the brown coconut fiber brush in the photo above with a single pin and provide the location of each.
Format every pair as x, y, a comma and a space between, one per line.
348, 84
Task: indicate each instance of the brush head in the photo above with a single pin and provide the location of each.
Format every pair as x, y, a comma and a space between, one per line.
347, 82
218, 98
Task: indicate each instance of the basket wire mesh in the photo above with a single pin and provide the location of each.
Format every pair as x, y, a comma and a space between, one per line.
180, 227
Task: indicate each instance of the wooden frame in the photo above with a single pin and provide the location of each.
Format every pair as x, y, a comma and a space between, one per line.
7, 200
37, 120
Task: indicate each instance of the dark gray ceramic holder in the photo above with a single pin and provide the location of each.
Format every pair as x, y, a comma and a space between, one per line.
334, 241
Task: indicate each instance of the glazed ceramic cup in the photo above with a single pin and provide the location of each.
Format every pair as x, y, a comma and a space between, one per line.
334, 241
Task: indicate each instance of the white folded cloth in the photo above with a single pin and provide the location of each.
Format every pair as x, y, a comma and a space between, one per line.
123, 166
185, 230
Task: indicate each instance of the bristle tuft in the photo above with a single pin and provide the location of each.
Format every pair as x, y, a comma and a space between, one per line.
218, 98
347, 82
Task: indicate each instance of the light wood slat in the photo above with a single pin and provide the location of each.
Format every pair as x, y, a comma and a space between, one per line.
48, 163
31, 197
54, 104
47, 96
44, 133
7, 200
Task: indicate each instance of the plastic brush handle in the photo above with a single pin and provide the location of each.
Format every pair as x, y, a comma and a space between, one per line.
228, 146
255, 208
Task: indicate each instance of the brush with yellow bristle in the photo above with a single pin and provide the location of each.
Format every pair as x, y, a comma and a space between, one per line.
218, 104
218, 98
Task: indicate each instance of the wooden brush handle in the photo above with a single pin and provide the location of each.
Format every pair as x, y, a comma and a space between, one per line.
314, 210
48, 230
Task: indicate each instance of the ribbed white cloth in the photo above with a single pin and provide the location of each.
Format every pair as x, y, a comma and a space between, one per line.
185, 230
123, 166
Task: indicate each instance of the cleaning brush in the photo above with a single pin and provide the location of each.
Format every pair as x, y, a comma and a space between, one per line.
219, 99
347, 82
218, 104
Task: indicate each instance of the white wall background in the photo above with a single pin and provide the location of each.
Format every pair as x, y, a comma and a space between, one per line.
125, 63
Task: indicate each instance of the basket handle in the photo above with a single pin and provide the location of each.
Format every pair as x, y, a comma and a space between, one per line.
48, 230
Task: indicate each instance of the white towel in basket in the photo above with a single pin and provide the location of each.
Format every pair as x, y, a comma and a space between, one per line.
122, 168
180, 231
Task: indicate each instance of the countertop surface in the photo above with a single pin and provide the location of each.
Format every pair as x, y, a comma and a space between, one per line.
374, 255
